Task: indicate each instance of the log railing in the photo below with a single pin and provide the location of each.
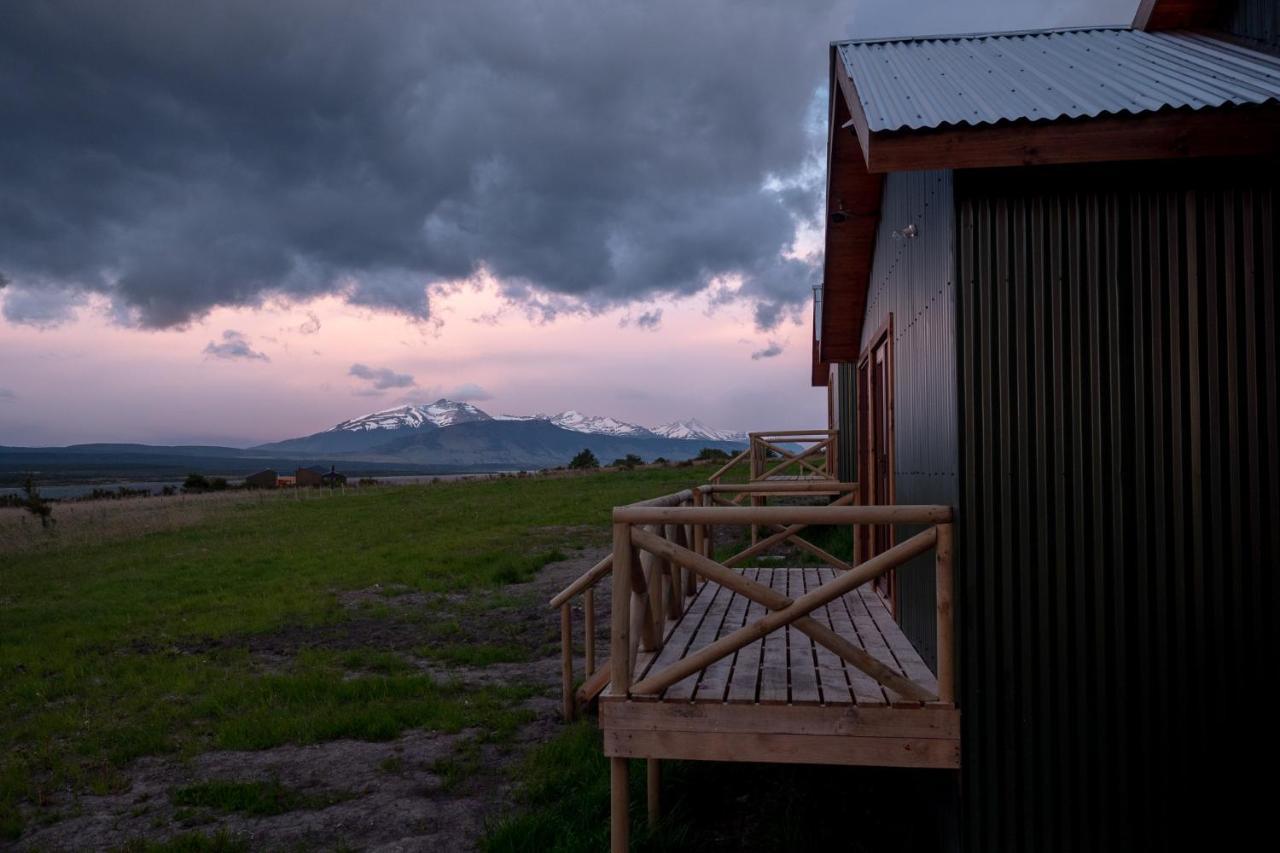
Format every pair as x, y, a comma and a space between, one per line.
671, 588
807, 453
643, 536
803, 452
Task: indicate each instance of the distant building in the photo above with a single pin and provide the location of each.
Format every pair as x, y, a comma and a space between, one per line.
312, 476
265, 479
316, 475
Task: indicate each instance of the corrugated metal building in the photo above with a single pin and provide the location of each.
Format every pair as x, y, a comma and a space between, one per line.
1081, 356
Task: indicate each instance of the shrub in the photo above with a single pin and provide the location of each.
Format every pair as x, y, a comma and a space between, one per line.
712, 454
585, 460
195, 483
35, 504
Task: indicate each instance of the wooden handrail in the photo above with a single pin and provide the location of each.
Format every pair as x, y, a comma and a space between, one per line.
895, 514
780, 487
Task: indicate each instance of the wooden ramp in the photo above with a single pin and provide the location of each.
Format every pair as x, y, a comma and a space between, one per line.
784, 698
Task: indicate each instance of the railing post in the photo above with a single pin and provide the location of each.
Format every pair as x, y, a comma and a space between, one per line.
620, 635
566, 659
944, 554
675, 573
589, 627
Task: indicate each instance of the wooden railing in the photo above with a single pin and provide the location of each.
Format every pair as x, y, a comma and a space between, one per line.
636, 537
814, 454
662, 547
584, 587
806, 453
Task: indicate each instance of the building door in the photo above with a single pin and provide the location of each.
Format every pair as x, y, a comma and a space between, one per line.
875, 378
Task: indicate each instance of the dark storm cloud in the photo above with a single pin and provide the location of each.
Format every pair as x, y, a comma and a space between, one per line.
382, 378
181, 156
773, 350
234, 346
650, 319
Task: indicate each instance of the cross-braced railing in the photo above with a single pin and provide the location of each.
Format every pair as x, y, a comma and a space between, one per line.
785, 453
643, 534
804, 453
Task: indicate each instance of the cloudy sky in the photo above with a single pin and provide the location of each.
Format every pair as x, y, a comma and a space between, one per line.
237, 221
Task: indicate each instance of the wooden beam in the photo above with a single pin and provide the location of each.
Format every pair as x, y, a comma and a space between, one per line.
1247, 130
919, 721
785, 749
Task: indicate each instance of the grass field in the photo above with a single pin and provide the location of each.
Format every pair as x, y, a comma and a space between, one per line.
126, 632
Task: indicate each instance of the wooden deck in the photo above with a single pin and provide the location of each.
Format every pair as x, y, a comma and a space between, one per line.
783, 697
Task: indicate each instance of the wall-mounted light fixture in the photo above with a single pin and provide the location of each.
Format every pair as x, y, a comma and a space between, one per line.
839, 214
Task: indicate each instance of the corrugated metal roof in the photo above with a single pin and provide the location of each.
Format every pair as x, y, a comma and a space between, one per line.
928, 83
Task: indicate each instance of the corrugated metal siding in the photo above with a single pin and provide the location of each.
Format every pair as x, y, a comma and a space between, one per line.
929, 83
1120, 512
1258, 21
911, 279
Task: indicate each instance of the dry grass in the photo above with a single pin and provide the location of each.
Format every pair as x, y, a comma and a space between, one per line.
79, 523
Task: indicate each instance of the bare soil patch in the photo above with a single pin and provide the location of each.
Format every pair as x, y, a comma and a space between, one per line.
422, 791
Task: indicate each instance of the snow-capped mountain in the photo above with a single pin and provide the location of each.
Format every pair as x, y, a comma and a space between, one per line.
694, 428
450, 432
595, 424
441, 413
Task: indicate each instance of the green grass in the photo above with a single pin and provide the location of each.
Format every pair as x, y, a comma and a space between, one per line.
257, 798
108, 652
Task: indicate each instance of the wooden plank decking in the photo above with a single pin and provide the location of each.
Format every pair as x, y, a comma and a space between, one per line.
784, 698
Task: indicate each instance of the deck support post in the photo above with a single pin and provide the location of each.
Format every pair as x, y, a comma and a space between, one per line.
944, 552
620, 635
653, 775
619, 801
589, 626
566, 660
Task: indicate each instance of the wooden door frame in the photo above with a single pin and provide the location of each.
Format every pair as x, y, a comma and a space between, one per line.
883, 336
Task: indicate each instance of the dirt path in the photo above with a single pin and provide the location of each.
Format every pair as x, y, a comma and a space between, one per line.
422, 791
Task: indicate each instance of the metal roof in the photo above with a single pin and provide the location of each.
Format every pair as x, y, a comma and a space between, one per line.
977, 80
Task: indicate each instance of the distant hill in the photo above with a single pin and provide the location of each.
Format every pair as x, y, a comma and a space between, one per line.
89, 463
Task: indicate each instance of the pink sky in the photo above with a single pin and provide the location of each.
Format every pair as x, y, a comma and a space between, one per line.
90, 379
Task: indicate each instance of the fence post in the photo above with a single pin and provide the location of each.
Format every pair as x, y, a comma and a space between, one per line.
944, 553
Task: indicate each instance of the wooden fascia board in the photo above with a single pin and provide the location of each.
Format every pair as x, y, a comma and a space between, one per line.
849, 245
1169, 135
857, 116
1178, 14
1142, 16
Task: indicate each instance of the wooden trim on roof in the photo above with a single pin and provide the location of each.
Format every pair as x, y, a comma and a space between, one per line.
1179, 14
853, 216
1247, 130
